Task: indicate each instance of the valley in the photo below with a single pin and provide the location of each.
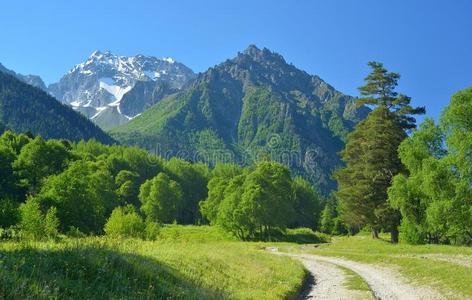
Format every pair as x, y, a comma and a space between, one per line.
246, 150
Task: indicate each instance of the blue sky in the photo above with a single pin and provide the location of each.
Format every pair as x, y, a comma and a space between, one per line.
428, 42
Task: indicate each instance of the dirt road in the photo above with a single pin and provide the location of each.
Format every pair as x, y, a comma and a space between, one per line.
329, 280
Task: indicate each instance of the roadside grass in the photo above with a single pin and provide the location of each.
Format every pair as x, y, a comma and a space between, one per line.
418, 263
355, 282
186, 263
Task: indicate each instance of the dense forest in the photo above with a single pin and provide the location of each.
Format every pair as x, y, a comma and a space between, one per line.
57, 187
24, 108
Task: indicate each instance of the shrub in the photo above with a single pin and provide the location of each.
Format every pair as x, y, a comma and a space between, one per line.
51, 223
152, 231
125, 222
34, 224
32, 220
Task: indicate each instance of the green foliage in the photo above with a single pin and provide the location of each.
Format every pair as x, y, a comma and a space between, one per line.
32, 220
7, 178
83, 195
254, 203
379, 90
216, 194
267, 196
36, 225
128, 183
161, 199
371, 159
193, 180
151, 231
51, 223
299, 236
436, 198
125, 222
194, 234
328, 216
371, 156
39, 159
307, 204
9, 213
78, 186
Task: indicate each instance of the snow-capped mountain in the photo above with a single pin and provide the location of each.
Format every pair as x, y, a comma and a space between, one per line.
97, 86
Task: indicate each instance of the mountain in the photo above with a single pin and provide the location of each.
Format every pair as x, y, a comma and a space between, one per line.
97, 86
33, 80
253, 106
26, 108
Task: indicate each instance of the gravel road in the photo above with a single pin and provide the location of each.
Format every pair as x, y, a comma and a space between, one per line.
385, 283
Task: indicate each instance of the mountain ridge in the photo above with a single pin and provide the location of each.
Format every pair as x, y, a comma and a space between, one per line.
33, 80
251, 105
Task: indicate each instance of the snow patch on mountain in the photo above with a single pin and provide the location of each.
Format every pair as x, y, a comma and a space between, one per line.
117, 91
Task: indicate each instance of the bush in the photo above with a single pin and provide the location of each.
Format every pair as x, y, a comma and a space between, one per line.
152, 231
32, 220
125, 222
300, 236
34, 224
339, 228
12, 233
51, 223
411, 233
75, 232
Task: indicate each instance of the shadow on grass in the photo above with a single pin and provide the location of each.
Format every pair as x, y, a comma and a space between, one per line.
92, 273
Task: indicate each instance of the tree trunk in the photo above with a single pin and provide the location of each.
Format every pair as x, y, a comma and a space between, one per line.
374, 233
394, 235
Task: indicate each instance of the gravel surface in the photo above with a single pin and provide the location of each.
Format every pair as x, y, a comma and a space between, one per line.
385, 283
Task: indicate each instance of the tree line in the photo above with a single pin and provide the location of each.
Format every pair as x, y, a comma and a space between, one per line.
52, 187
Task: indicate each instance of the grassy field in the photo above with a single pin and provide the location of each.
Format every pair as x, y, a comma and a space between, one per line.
189, 262
185, 263
444, 267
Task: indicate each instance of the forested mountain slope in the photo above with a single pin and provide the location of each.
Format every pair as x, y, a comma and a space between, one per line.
252, 106
24, 108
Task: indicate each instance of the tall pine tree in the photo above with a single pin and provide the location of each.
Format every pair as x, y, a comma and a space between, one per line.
371, 154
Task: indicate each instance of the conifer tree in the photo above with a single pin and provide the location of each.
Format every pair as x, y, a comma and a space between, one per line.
379, 90
371, 154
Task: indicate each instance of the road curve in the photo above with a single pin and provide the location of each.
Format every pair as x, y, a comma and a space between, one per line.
385, 283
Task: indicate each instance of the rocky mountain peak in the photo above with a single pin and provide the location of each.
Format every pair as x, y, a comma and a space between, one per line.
96, 86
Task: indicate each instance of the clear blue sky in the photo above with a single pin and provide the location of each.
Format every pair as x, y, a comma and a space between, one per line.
428, 42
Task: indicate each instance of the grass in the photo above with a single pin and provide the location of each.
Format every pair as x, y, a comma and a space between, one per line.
185, 263
355, 282
196, 234
438, 266
215, 234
